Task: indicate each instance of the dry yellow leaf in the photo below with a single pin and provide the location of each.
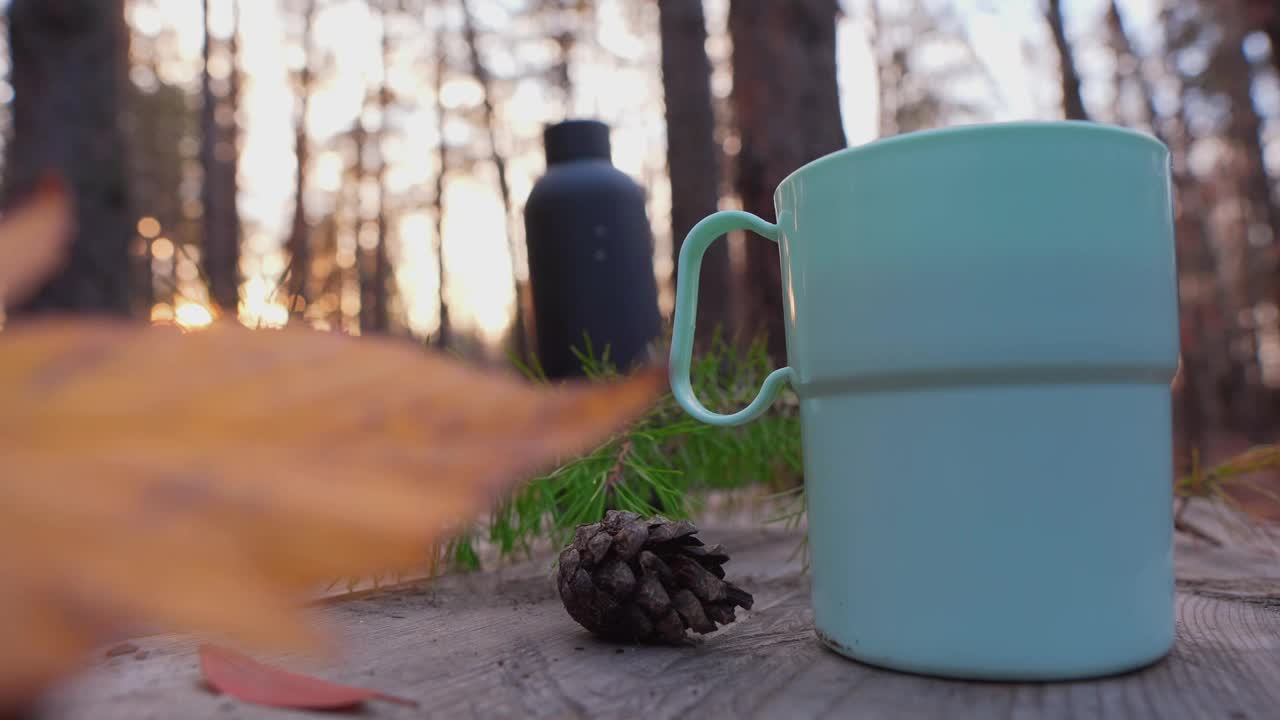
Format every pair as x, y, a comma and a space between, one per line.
151, 480
33, 241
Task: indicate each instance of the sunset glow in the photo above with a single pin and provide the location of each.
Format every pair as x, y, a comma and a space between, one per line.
258, 308
615, 80
192, 316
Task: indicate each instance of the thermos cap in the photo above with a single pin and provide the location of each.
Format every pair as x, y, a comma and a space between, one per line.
576, 140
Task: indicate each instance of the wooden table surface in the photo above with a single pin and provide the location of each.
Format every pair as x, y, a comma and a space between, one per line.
498, 644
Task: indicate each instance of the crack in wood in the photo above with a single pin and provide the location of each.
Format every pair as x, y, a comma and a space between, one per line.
1262, 592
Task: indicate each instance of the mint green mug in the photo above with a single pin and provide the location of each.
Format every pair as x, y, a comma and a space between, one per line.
981, 324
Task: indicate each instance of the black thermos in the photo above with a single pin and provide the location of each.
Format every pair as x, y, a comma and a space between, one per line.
590, 254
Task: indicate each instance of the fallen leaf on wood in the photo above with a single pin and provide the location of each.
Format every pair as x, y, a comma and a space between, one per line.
33, 240
152, 480
124, 648
244, 678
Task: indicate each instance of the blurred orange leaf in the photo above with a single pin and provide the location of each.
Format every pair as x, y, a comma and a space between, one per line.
247, 679
151, 480
33, 241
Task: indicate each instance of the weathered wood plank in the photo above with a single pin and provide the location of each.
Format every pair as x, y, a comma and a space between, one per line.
498, 644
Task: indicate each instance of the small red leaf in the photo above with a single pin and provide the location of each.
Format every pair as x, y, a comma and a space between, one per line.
244, 678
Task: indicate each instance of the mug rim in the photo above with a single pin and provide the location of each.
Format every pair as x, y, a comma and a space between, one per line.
944, 133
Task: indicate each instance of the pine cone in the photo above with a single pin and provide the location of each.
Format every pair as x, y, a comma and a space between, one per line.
635, 579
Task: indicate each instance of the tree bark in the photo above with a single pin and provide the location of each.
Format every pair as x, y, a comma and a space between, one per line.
299, 243
480, 71
567, 16
364, 269
220, 161
1072, 102
154, 128
442, 67
380, 320
889, 73
1264, 15
1195, 281
1129, 68
1195, 262
693, 156
782, 123
1231, 359
68, 76
1246, 126
1261, 213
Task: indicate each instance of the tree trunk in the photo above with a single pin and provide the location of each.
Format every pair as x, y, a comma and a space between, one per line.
380, 320
68, 76
889, 73
442, 67
1246, 128
568, 16
1199, 295
1072, 102
1129, 68
364, 269
1195, 281
1261, 216
299, 243
1195, 262
782, 124
480, 71
1219, 206
220, 160
349, 226
1264, 15
693, 156
6, 120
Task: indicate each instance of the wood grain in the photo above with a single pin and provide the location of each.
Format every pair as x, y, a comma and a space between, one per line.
498, 644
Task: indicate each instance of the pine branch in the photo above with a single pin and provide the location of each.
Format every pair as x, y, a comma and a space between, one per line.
662, 464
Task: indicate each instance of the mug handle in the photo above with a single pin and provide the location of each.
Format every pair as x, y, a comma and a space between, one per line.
697, 242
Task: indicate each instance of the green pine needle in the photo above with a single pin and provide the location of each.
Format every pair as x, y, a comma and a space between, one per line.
661, 464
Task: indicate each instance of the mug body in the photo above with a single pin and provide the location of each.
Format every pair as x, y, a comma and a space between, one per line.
982, 329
